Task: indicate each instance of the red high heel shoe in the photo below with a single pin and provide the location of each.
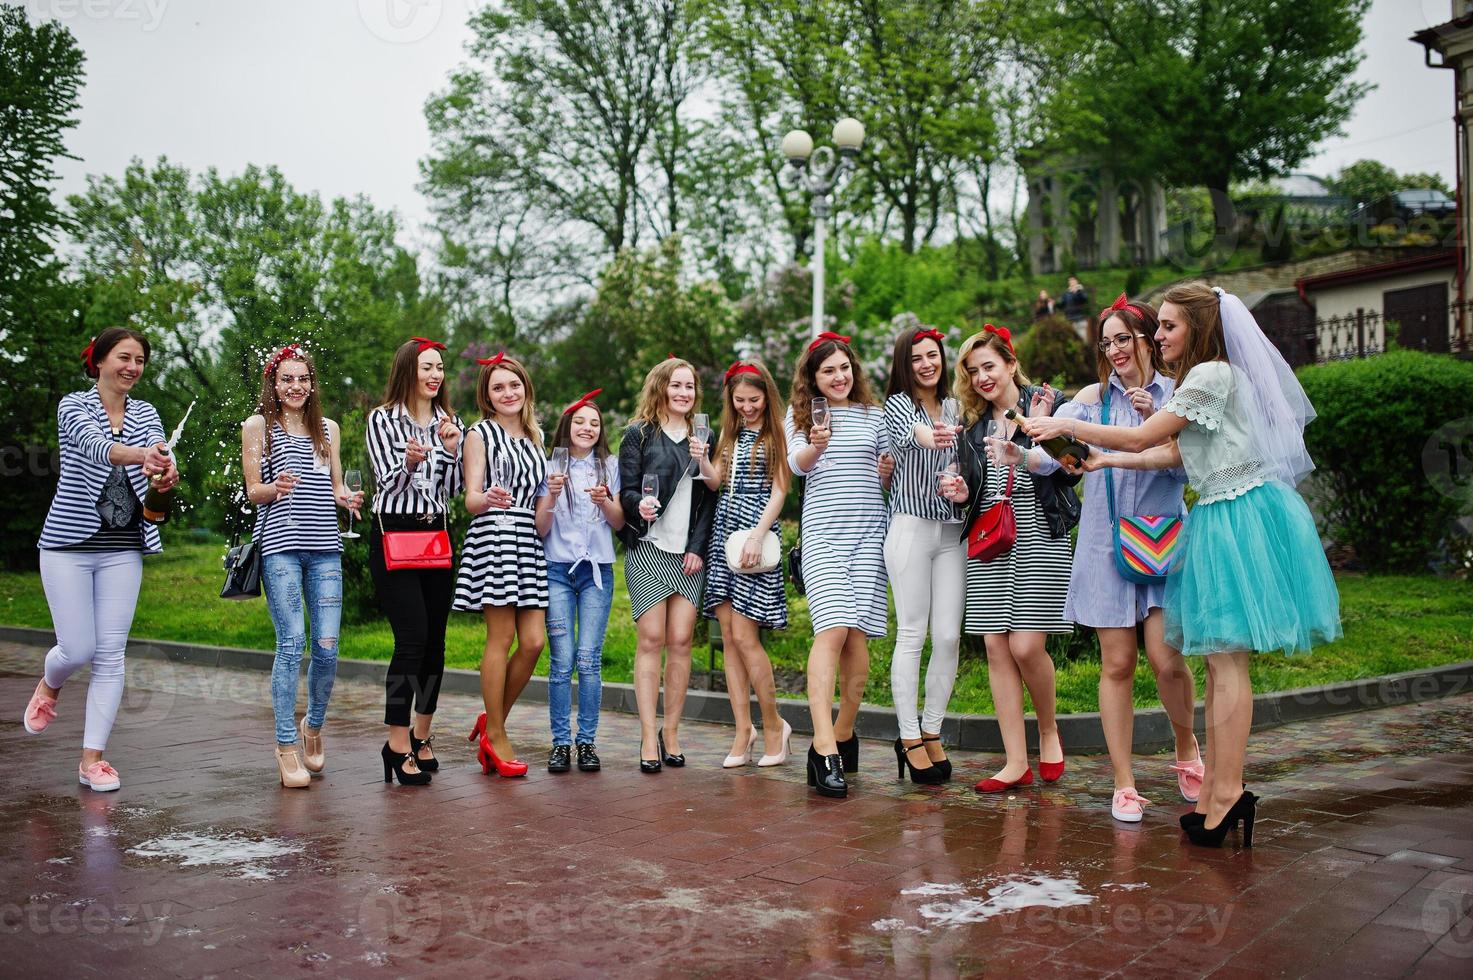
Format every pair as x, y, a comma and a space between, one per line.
486, 755
991, 785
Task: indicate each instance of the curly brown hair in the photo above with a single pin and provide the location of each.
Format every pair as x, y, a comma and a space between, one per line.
805, 381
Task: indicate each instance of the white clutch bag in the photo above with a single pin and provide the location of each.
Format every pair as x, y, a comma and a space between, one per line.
771, 553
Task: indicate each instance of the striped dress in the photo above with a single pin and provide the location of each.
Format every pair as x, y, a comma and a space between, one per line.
844, 523
311, 505
503, 564
1024, 589
760, 598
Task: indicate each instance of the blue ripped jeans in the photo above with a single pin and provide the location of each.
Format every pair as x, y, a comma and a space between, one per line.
288, 578
574, 601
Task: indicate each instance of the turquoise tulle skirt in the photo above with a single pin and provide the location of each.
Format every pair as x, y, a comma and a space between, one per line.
1251, 575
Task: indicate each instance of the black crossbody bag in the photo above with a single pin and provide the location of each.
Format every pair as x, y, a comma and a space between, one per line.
242, 565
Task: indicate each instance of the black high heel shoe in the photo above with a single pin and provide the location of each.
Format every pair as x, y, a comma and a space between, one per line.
826, 774
394, 766
648, 765
431, 764
849, 752
943, 764
673, 761
1244, 808
929, 776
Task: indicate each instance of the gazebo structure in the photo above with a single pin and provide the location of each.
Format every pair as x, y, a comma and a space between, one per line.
1082, 215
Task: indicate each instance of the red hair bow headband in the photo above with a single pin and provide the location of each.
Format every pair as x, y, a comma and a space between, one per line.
737, 367
488, 361
827, 335
426, 343
87, 354
290, 350
1122, 302
1004, 333
929, 333
585, 400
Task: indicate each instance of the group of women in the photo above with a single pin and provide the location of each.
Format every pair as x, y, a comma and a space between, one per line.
940, 496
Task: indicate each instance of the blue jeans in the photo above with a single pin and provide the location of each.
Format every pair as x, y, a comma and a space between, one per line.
287, 577
573, 600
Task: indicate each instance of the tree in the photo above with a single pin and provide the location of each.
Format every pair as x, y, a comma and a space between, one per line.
1199, 93
40, 330
1366, 182
563, 144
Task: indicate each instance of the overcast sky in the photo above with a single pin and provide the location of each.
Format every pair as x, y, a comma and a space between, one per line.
332, 91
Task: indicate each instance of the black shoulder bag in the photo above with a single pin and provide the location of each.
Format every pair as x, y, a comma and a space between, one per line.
242, 565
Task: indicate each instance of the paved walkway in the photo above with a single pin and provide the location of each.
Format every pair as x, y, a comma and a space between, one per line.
1362, 864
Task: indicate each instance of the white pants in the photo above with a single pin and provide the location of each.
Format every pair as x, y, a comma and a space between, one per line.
927, 563
92, 595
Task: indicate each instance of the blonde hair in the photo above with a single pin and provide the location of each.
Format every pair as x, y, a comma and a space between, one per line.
974, 406
653, 400
528, 415
770, 438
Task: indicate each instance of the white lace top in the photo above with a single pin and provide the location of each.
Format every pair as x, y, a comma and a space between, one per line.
1216, 446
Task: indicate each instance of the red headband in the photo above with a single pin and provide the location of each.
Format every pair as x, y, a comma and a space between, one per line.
1122, 303
488, 361
827, 335
585, 400
929, 333
290, 350
1005, 334
737, 367
426, 343
87, 355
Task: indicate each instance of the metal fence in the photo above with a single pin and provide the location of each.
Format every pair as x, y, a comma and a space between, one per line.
1443, 328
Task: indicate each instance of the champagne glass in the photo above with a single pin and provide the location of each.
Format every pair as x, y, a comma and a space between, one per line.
995, 432
649, 489
353, 480
291, 499
944, 478
501, 474
822, 419
951, 417
424, 473
701, 431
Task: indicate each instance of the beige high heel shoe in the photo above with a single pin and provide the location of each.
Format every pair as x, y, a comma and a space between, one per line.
313, 755
293, 774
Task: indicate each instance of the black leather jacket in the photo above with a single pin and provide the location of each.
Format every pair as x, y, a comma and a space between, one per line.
645, 449
1055, 492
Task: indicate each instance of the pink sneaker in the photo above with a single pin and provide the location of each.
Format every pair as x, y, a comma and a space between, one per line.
99, 777
1189, 778
1127, 806
39, 713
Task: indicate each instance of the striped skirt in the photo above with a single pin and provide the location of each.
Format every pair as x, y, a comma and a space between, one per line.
501, 564
1025, 589
654, 576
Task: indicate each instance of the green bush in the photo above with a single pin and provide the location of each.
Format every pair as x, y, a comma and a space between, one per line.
1377, 418
1051, 350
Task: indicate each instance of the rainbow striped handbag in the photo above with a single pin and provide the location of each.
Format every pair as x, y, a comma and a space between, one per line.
1143, 545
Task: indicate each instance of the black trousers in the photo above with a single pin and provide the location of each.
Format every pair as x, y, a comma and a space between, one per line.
417, 604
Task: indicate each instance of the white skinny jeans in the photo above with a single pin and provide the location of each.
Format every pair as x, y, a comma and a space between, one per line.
927, 563
92, 595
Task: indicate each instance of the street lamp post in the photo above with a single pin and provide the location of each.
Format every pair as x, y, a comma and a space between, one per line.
819, 172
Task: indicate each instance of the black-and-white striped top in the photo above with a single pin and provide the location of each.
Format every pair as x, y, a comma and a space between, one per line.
307, 518
914, 483
396, 489
85, 437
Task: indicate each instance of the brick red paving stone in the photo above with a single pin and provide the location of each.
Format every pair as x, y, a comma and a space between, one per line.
203, 865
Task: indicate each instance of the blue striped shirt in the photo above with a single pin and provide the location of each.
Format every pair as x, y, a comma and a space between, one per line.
85, 436
307, 518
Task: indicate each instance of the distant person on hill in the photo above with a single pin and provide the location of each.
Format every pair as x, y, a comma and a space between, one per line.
1075, 306
1045, 305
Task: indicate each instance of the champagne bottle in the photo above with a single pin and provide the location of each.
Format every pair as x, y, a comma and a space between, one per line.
156, 502
1062, 448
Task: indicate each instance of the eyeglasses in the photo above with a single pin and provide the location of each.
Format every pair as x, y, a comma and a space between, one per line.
1118, 342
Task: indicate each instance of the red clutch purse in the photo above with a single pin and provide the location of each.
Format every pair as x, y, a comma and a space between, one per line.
406, 550
994, 530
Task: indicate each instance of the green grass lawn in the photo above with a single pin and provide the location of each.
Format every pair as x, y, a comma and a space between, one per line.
1392, 623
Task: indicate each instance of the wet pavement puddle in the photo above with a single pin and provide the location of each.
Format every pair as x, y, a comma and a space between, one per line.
240, 856
980, 899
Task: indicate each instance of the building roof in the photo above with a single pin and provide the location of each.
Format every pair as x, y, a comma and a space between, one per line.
1301, 185
1434, 37
1447, 258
